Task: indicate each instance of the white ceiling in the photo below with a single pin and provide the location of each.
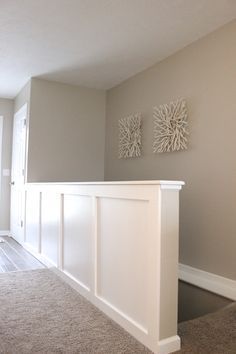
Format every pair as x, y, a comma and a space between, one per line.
97, 43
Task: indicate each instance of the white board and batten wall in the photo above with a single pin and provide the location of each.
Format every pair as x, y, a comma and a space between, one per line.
117, 243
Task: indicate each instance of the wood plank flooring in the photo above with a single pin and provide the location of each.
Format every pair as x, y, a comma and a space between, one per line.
14, 257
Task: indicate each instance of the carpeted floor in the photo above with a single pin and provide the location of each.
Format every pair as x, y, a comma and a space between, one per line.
39, 313
214, 333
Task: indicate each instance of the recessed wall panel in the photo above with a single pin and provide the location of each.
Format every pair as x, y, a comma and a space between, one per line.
50, 228
122, 256
78, 226
32, 219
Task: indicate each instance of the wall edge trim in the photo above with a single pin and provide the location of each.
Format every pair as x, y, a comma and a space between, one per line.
4, 232
212, 282
169, 345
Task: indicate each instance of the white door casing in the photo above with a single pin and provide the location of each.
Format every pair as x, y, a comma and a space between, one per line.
18, 174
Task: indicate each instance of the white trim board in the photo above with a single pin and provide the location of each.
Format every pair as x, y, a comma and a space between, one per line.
169, 345
4, 232
208, 281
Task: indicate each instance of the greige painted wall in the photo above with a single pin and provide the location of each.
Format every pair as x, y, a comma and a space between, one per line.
205, 74
66, 133
6, 110
23, 97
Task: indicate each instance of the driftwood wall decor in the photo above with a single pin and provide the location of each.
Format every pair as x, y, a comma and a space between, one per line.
170, 126
130, 136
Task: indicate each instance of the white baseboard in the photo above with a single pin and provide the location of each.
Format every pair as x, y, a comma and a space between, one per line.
169, 345
4, 232
208, 281
43, 259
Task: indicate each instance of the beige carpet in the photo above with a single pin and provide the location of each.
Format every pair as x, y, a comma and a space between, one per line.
211, 334
39, 313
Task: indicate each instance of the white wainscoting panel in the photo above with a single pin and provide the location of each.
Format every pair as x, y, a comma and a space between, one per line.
77, 244
32, 219
169, 257
50, 225
117, 242
122, 253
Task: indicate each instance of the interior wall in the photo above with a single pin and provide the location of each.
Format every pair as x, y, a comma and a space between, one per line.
6, 110
204, 73
66, 133
23, 97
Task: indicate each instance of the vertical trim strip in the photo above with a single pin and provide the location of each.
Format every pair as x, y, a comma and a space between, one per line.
95, 232
61, 235
40, 223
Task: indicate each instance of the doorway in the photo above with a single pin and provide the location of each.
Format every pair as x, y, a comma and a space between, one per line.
18, 174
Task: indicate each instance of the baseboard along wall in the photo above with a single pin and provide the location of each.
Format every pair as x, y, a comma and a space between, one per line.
208, 281
4, 232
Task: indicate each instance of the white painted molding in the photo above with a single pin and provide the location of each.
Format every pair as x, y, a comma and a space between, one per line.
208, 281
109, 183
4, 232
69, 279
169, 345
172, 186
43, 259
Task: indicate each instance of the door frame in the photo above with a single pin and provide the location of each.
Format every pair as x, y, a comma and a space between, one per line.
23, 108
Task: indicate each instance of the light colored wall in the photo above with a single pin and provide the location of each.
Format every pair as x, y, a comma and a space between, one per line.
205, 74
23, 97
66, 133
6, 110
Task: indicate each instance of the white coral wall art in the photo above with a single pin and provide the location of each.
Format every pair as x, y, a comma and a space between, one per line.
170, 126
130, 136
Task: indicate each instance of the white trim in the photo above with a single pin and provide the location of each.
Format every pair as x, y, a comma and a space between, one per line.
17, 207
82, 285
122, 314
147, 182
171, 186
169, 345
69, 280
4, 232
217, 284
43, 259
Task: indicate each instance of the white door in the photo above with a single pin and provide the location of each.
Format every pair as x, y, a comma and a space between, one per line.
18, 174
